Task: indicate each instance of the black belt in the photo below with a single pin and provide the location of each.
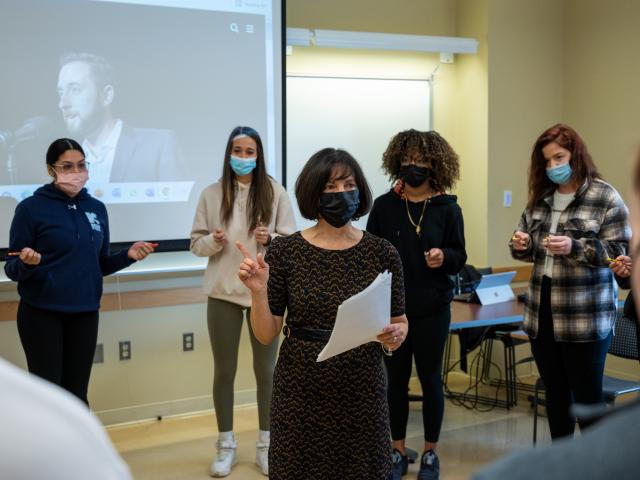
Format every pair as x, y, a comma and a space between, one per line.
310, 334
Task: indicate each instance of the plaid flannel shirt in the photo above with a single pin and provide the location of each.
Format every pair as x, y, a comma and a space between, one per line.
584, 295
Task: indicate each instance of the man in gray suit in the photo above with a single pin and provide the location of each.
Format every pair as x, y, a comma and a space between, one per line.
115, 151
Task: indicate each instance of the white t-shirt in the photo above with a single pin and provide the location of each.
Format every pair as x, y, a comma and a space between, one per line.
560, 203
45, 432
100, 157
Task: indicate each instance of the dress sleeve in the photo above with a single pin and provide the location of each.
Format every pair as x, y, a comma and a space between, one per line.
277, 286
397, 281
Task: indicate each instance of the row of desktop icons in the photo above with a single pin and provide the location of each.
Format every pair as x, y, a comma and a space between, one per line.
114, 193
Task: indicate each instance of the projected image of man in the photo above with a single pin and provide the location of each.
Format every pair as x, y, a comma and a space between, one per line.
115, 151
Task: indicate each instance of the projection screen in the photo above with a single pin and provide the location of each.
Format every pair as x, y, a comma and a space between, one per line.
150, 88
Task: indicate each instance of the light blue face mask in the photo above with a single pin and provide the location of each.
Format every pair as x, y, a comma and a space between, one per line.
242, 166
560, 174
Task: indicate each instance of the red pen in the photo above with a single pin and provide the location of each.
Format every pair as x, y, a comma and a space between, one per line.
154, 245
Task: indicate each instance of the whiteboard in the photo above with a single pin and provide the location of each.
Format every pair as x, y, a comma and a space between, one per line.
359, 115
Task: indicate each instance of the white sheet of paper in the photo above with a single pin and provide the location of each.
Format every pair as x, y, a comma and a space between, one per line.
360, 318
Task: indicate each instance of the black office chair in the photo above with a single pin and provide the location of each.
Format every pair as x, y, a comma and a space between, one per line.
624, 344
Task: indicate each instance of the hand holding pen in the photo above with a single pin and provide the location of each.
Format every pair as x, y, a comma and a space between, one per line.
434, 258
621, 265
28, 256
140, 250
520, 240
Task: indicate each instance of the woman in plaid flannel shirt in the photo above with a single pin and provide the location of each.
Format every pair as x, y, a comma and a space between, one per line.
574, 223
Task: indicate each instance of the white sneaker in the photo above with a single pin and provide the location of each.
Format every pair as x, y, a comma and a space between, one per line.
225, 458
262, 457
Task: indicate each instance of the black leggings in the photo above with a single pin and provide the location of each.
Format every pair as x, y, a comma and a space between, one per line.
425, 343
59, 346
571, 371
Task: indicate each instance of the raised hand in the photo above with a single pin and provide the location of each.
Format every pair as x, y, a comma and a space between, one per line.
253, 273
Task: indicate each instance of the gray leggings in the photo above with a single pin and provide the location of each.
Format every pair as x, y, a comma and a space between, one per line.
225, 323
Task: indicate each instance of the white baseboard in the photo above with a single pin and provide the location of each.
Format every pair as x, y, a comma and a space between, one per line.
182, 406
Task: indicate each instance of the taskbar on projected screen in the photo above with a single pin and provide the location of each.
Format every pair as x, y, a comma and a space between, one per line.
128, 192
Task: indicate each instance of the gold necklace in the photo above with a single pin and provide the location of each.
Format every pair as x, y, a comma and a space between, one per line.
417, 226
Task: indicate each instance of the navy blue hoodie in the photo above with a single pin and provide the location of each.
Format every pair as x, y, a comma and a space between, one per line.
72, 235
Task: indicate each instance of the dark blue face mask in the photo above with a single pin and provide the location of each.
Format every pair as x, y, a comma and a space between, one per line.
337, 208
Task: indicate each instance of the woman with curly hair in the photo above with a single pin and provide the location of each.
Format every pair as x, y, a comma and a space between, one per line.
425, 224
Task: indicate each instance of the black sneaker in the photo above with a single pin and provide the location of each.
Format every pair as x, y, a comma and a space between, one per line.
429, 466
400, 464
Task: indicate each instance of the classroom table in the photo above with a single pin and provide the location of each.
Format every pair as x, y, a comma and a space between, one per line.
473, 315
469, 315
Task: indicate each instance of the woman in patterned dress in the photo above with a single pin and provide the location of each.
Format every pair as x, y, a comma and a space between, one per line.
329, 420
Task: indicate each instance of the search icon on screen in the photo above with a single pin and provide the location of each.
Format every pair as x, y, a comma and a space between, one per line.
234, 27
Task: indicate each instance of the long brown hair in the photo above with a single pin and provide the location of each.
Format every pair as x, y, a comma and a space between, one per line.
581, 163
435, 151
259, 205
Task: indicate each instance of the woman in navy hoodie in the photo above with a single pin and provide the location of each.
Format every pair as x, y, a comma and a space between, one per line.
425, 225
58, 254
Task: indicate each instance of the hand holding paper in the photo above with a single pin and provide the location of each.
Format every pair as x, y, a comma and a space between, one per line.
361, 318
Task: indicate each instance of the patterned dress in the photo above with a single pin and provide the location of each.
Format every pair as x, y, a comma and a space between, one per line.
329, 420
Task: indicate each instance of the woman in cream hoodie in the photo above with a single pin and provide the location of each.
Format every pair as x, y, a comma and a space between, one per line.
246, 205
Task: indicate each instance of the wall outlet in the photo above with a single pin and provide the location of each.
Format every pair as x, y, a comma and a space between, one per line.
125, 349
98, 356
506, 198
187, 342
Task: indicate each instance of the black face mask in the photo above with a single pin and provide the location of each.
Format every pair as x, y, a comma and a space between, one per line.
414, 175
338, 208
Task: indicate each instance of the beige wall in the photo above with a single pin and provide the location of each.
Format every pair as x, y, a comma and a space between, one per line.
419, 17
525, 97
471, 127
601, 82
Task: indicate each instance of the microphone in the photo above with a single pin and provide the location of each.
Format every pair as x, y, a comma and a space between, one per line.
33, 128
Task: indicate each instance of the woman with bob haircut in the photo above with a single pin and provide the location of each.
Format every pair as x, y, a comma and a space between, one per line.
249, 206
425, 224
573, 225
329, 419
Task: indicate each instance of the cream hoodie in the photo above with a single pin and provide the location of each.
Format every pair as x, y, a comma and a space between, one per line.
221, 276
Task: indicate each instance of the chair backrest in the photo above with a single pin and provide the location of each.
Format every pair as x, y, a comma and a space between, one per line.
625, 338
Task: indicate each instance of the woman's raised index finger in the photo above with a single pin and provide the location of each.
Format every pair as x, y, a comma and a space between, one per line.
243, 249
